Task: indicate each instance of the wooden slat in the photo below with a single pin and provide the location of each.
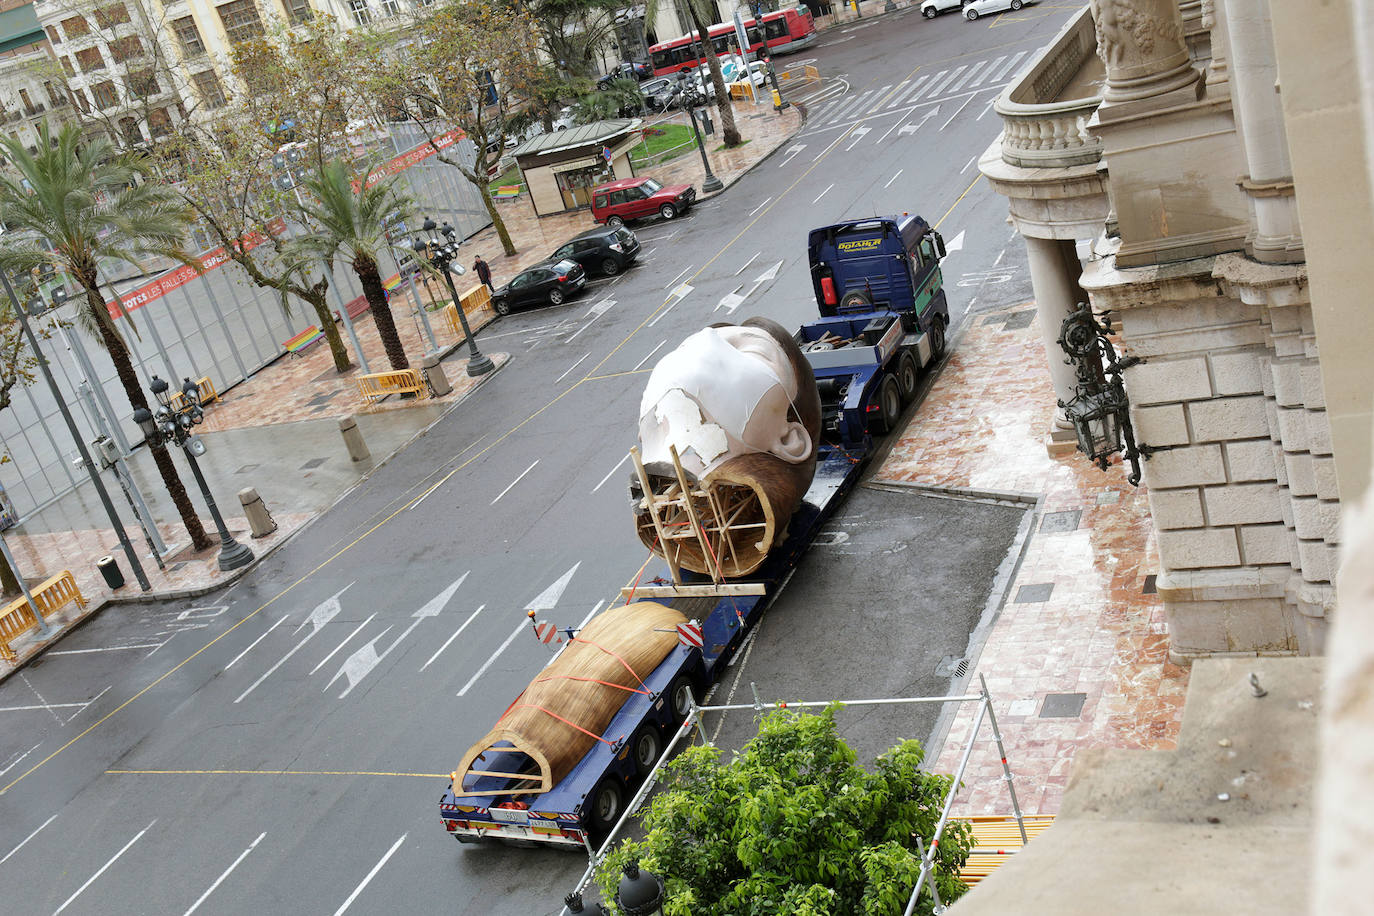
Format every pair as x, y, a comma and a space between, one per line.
723, 590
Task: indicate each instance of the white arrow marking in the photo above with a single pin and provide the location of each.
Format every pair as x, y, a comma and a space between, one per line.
326, 611
547, 600
731, 300
595, 312
343, 642
857, 135
912, 128
769, 274
734, 299
674, 298
792, 151
361, 662
955, 243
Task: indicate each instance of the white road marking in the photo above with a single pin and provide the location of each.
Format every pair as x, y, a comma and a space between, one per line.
571, 368
895, 124
89, 881
971, 160
595, 313
676, 296
46, 705
998, 260
1011, 63
546, 600
488, 663
956, 112
893, 178
514, 482
765, 203
335, 651
955, 243
362, 662
31, 835
986, 108
254, 643
150, 645
651, 354
936, 89
988, 71
220, 880
967, 76
673, 282
595, 488
323, 613
745, 266
456, 634
14, 763
370, 875
913, 128
580, 627
915, 91
88, 703
731, 300
791, 152
823, 193
858, 134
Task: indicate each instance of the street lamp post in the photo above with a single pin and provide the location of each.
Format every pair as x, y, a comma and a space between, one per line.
86, 461
768, 59
640, 892
173, 425
691, 99
441, 250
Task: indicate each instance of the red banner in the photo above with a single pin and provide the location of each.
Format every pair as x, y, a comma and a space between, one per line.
173, 280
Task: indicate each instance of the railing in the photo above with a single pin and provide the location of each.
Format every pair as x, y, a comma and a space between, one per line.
1039, 131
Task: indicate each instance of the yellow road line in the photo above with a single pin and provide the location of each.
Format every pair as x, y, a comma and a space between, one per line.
275, 773
976, 179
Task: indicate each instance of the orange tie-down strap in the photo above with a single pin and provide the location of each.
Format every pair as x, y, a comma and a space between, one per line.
624, 664
590, 680
555, 715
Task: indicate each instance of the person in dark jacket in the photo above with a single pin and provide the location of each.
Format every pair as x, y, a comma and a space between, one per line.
483, 272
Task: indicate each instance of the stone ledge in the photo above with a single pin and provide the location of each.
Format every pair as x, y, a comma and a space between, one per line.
1223, 584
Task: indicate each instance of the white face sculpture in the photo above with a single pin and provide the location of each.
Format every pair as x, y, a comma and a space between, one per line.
723, 392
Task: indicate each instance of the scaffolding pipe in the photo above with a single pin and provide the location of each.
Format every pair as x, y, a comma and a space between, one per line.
1006, 768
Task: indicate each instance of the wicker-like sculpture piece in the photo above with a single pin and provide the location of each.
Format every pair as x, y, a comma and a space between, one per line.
729, 425
568, 705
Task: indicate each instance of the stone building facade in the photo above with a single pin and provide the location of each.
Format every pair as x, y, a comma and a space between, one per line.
1149, 163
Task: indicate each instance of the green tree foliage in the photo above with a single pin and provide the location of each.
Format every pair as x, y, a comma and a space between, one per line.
700, 12
793, 825
349, 219
89, 203
571, 31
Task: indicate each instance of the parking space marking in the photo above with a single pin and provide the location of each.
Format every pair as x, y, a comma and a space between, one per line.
220, 880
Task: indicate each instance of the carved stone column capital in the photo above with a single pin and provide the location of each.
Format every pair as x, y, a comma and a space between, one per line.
1141, 42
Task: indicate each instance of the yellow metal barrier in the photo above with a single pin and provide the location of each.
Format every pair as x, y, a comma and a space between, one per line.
994, 839
207, 394
473, 300
740, 91
376, 385
812, 74
17, 618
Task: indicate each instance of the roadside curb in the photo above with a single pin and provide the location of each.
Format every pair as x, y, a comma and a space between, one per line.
35, 649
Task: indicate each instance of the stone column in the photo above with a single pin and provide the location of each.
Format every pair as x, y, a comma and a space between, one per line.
1218, 73
1056, 294
1141, 42
1275, 236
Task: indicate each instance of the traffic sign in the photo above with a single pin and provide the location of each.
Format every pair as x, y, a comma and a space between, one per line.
689, 634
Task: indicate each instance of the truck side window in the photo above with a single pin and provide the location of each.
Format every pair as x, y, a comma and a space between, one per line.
928, 250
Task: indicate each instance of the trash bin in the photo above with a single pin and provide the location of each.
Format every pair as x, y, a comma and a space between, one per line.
109, 569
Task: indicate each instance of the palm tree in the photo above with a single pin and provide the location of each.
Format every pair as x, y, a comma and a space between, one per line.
700, 13
85, 200
349, 219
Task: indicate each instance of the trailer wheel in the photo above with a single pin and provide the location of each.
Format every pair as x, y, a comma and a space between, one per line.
646, 747
680, 692
889, 408
908, 376
604, 806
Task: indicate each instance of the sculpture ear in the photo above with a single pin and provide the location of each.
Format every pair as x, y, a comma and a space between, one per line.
795, 443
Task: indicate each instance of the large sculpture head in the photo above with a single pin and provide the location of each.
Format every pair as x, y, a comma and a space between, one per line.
738, 404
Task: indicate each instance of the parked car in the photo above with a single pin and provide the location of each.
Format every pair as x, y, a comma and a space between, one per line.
620, 201
660, 93
635, 70
932, 8
565, 119
975, 8
607, 250
546, 283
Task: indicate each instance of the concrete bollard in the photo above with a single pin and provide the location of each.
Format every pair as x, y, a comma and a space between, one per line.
259, 519
353, 438
434, 373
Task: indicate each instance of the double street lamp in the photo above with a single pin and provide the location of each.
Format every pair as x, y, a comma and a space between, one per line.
690, 99
172, 424
440, 249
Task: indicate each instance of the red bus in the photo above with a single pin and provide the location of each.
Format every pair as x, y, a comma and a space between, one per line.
784, 31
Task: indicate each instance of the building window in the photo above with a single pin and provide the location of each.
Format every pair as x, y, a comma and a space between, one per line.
55, 96
241, 20
390, 7
143, 83
362, 14
52, 35
90, 59
29, 107
188, 36
112, 15
122, 49
81, 101
75, 27
133, 134
105, 95
207, 84
299, 11
67, 67
159, 122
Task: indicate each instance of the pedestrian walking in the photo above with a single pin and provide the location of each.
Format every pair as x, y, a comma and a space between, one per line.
483, 272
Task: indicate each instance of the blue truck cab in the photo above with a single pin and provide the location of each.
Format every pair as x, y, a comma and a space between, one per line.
880, 294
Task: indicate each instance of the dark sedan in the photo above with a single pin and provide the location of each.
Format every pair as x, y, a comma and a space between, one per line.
546, 283
605, 250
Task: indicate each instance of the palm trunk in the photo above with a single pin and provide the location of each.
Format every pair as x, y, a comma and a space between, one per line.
375, 293
124, 368
9, 582
729, 131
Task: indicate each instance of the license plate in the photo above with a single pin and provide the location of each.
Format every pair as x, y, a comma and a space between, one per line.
509, 815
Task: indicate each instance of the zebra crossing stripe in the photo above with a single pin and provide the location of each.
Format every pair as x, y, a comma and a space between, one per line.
920, 86
937, 90
854, 105
987, 72
967, 76
1011, 63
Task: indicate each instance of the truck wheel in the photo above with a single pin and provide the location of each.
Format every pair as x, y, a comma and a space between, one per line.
604, 806
646, 747
889, 408
937, 339
908, 375
680, 691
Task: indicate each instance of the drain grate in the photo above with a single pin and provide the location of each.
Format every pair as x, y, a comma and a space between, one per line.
951, 667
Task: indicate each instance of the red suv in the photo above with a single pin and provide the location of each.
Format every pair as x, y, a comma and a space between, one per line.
635, 198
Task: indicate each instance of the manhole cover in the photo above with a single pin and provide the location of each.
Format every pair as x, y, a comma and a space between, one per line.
950, 666
1150, 587
313, 463
246, 468
1060, 522
1062, 705
1033, 594
1018, 321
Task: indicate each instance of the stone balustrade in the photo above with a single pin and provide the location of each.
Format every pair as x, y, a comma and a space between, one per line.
1040, 129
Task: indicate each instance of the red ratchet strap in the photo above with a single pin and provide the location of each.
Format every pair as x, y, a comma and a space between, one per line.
590, 680
564, 721
613, 655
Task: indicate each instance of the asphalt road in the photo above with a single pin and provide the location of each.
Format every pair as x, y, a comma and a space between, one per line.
282, 745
